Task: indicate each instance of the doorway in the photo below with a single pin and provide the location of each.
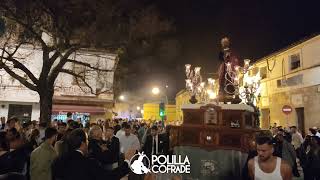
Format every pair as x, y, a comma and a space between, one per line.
22, 112
300, 119
265, 118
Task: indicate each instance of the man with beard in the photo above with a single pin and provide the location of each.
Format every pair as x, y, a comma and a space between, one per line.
265, 166
43, 156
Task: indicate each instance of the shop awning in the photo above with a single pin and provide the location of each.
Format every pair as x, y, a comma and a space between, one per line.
79, 109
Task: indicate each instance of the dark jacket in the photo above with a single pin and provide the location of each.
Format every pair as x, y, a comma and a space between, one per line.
163, 145
104, 157
116, 128
114, 149
15, 161
74, 165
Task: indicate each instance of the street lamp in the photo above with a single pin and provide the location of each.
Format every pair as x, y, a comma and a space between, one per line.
155, 90
121, 97
138, 108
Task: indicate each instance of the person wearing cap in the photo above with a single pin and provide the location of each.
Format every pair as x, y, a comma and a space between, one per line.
42, 157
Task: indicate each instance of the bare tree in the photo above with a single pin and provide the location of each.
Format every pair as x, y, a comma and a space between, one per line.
70, 26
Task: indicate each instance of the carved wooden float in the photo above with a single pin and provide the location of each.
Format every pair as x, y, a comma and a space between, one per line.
225, 126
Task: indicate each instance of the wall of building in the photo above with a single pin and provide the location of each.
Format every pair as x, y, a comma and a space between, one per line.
127, 111
182, 98
12, 91
151, 113
4, 109
299, 87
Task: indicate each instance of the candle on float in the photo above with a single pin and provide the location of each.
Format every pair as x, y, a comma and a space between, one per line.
246, 63
237, 68
229, 67
197, 70
236, 80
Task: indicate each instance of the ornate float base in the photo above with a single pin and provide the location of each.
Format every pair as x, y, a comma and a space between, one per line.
216, 139
216, 164
212, 127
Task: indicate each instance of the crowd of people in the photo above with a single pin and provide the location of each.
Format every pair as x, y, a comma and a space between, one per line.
102, 150
300, 157
68, 150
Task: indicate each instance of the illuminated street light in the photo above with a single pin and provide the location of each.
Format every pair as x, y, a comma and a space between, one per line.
121, 97
155, 90
138, 108
142, 111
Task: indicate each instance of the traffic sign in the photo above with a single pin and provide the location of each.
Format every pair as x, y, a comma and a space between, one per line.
286, 109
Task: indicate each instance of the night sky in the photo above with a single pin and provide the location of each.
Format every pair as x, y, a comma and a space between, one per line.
256, 28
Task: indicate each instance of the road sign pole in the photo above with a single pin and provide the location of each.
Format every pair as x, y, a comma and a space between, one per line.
287, 120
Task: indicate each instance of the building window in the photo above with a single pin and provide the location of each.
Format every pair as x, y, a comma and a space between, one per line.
263, 72
294, 61
281, 83
292, 81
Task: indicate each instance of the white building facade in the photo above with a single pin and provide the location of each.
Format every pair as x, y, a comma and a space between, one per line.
69, 96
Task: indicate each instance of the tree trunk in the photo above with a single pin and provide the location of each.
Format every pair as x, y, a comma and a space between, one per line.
46, 106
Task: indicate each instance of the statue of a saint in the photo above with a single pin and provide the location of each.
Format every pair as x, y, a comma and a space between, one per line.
226, 56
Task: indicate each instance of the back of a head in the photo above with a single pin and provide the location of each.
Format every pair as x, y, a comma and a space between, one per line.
13, 119
69, 114
316, 139
34, 133
313, 131
42, 124
93, 131
76, 138
154, 128
13, 135
124, 124
74, 125
50, 132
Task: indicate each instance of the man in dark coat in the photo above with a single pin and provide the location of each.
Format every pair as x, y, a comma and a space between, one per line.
75, 165
156, 143
106, 152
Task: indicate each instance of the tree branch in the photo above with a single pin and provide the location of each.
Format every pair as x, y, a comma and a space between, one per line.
80, 77
17, 77
90, 66
27, 26
17, 64
63, 60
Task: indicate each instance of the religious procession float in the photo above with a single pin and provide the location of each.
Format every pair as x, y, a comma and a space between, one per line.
218, 130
